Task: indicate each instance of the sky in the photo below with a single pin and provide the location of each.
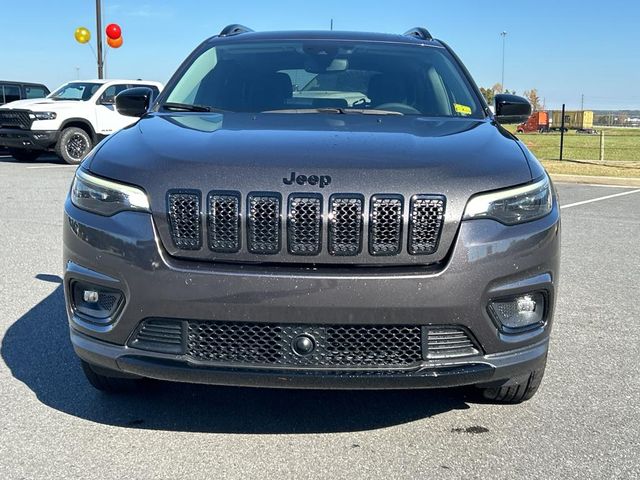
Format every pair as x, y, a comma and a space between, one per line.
563, 48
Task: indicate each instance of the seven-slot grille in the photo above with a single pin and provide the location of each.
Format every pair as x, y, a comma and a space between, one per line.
15, 119
304, 223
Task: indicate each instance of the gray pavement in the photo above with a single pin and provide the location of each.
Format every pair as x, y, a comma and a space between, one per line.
584, 422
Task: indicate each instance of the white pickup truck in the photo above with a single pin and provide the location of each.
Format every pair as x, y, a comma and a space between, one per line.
69, 121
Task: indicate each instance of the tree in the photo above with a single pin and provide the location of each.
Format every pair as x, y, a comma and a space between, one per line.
497, 88
488, 94
534, 99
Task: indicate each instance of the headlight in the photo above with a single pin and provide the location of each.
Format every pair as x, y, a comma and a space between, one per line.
105, 197
43, 115
513, 206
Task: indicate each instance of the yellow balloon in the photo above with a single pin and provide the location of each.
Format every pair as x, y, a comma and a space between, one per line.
82, 35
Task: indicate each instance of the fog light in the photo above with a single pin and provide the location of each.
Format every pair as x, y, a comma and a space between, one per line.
516, 313
91, 296
95, 302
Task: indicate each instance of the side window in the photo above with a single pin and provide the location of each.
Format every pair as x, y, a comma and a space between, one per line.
34, 92
109, 95
11, 93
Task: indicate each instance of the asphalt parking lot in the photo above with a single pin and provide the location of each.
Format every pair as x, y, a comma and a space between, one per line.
583, 423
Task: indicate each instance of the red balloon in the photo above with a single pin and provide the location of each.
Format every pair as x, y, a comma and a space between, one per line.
117, 43
114, 31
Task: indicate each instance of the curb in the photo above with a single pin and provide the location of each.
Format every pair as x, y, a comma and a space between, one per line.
593, 179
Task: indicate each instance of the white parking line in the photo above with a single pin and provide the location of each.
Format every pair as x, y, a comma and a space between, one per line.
599, 198
52, 166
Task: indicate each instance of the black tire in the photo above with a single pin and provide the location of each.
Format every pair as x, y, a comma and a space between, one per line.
516, 390
73, 144
23, 154
106, 383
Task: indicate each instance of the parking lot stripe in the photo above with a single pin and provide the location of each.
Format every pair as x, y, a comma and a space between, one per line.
584, 202
52, 166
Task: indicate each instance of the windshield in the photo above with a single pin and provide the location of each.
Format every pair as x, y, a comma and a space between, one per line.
325, 76
75, 91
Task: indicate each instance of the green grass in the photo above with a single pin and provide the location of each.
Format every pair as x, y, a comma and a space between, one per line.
620, 145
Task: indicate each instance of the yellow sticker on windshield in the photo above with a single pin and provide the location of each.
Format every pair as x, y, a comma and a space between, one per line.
462, 109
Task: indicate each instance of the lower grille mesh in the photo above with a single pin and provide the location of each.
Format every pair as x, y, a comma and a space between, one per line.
270, 344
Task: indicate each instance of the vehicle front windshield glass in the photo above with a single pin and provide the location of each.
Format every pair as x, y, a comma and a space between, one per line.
318, 76
79, 91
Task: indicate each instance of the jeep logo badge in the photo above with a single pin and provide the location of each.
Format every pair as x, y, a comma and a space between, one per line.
321, 180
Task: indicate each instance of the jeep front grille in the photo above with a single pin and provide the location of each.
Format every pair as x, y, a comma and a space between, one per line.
348, 222
15, 119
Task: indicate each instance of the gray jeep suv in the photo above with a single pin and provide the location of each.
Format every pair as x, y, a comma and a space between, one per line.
314, 210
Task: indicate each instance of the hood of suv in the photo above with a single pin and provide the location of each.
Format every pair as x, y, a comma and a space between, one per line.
41, 104
359, 154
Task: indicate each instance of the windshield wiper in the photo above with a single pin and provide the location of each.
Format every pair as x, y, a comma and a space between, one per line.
187, 107
336, 110
371, 111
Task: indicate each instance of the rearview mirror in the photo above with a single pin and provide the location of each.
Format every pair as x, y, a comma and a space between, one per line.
512, 109
134, 102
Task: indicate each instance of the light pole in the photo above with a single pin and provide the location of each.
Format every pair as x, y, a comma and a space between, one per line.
503, 34
99, 38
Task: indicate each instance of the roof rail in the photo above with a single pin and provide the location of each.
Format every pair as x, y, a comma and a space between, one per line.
419, 32
234, 29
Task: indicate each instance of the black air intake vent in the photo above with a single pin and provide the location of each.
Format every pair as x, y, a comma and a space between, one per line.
385, 225
263, 223
448, 342
345, 224
425, 224
184, 219
160, 335
304, 224
224, 221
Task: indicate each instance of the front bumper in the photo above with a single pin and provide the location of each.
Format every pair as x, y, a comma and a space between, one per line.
28, 139
487, 261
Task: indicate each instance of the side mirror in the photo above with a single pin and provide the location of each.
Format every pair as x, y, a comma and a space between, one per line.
134, 102
512, 109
